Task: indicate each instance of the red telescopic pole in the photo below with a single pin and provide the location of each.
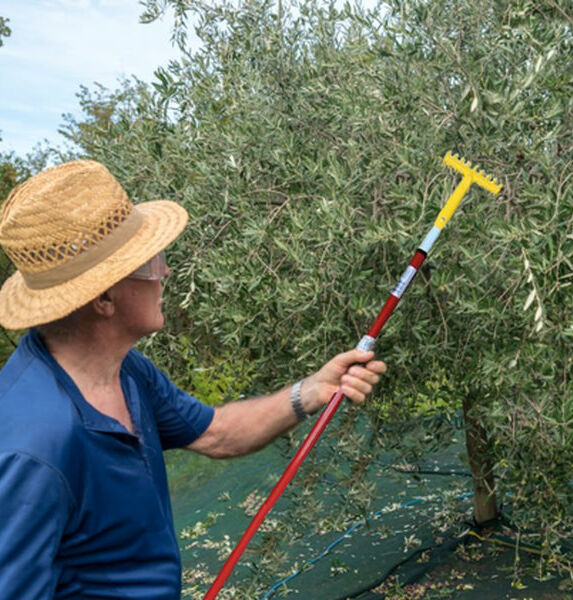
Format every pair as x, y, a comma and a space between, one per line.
470, 176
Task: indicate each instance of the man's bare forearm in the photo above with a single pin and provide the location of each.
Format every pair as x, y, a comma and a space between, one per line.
246, 426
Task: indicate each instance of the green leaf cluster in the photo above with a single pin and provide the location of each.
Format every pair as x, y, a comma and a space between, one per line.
5, 30
215, 379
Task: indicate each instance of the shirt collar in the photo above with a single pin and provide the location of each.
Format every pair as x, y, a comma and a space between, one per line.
92, 418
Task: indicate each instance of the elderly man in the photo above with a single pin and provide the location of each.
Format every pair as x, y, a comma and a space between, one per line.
84, 418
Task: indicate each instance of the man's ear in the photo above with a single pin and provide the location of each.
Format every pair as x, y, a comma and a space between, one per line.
104, 305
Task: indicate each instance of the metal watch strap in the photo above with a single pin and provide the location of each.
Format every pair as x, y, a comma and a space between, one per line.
295, 401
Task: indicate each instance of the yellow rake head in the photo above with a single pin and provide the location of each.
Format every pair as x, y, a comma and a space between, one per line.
465, 168
469, 176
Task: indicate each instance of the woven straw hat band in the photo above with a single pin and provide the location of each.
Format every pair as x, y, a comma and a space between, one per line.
64, 221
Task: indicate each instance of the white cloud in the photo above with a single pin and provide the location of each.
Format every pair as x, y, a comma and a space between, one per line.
58, 45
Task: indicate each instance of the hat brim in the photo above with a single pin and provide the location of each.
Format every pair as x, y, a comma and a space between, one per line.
22, 307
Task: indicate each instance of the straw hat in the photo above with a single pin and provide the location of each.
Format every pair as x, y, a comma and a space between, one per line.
72, 232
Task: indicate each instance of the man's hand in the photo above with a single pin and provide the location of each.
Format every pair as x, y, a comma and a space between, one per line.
355, 380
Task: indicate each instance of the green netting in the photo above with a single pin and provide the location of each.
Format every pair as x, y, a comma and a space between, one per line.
315, 544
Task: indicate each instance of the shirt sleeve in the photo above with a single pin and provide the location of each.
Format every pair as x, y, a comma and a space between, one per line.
34, 507
180, 418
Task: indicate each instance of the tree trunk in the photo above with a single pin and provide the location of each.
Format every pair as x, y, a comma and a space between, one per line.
485, 505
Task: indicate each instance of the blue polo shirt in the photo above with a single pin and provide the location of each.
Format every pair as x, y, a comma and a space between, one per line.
84, 504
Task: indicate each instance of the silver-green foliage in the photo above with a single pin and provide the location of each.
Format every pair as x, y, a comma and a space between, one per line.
306, 147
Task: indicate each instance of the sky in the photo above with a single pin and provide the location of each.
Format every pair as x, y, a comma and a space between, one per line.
58, 45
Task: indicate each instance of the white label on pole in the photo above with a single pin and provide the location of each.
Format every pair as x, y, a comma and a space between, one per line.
404, 282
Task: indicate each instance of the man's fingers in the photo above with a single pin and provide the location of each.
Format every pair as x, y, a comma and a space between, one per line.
355, 383
359, 381
354, 356
357, 393
371, 372
378, 366
354, 371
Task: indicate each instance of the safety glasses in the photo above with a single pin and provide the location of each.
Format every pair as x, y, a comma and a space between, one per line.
153, 270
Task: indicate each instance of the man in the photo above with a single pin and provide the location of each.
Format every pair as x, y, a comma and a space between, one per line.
84, 418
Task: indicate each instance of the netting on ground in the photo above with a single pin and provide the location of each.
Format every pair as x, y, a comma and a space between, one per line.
320, 543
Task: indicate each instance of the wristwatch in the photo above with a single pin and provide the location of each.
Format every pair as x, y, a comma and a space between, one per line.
296, 402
